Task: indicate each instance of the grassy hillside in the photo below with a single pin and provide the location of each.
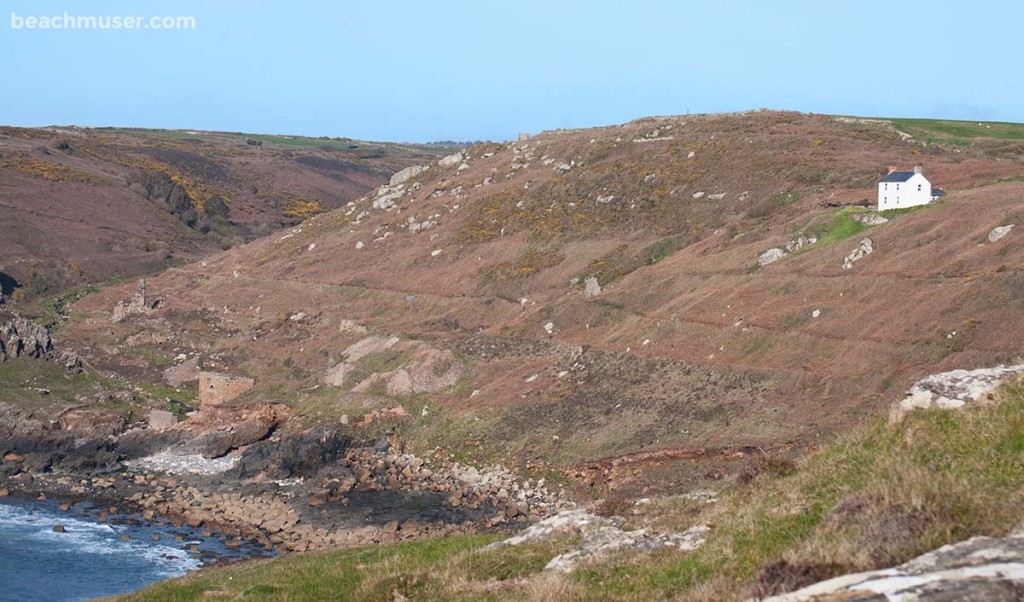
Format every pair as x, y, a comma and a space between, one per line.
85, 205
689, 350
877, 497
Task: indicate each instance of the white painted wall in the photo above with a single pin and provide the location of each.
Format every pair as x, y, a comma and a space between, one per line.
897, 195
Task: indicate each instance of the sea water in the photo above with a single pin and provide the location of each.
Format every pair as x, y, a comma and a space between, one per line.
90, 559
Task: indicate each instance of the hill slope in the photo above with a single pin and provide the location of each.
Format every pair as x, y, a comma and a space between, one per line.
591, 301
82, 205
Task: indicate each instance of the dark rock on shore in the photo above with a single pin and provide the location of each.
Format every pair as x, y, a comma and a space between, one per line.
300, 455
289, 491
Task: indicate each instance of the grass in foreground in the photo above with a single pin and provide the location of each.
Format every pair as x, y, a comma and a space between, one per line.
877, 497
450, 568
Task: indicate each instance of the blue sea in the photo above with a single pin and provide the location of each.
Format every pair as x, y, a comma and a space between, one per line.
91, 559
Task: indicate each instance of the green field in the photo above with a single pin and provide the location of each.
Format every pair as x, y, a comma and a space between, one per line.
959, 133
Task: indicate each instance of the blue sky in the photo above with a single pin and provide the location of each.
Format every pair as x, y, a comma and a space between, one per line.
454, 69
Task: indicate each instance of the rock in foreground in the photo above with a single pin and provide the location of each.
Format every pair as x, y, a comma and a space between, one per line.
981, 568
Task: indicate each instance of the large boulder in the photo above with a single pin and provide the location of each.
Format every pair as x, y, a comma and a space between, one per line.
406, 174
185, 372
451, 160
770, 256
999, 232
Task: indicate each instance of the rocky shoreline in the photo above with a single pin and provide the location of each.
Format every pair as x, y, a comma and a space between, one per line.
290, 492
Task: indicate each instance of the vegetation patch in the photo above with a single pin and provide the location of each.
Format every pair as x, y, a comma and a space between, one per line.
840, 227
55, 310
892, 214
47, 170
532, 261
302, 209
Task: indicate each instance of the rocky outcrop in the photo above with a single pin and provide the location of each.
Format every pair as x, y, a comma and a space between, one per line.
32, 445
407, 174
292, 491
954, 389
865, 248
303, 488
426, 370
215, 431
774, 254
591, 287
602, 541
799, 243
432, 371
21, 337
451, 160
370, 345
292, 456
979, 569
93, 423
387, 196
870, 219
600, 537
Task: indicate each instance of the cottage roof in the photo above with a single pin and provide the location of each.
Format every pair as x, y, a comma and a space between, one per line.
898, 176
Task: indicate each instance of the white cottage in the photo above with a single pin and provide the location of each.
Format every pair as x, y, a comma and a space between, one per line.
902, 189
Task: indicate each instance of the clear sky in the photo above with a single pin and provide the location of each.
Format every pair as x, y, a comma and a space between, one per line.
475, 69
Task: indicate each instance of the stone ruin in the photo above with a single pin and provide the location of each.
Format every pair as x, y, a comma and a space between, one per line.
138, 304
218, 389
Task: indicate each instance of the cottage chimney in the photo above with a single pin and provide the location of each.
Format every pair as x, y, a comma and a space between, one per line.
892, 168
917, 169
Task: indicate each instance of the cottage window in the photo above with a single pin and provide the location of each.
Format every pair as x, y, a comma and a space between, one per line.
919, 188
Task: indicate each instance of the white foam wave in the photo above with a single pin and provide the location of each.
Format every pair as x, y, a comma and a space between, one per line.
84, 537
